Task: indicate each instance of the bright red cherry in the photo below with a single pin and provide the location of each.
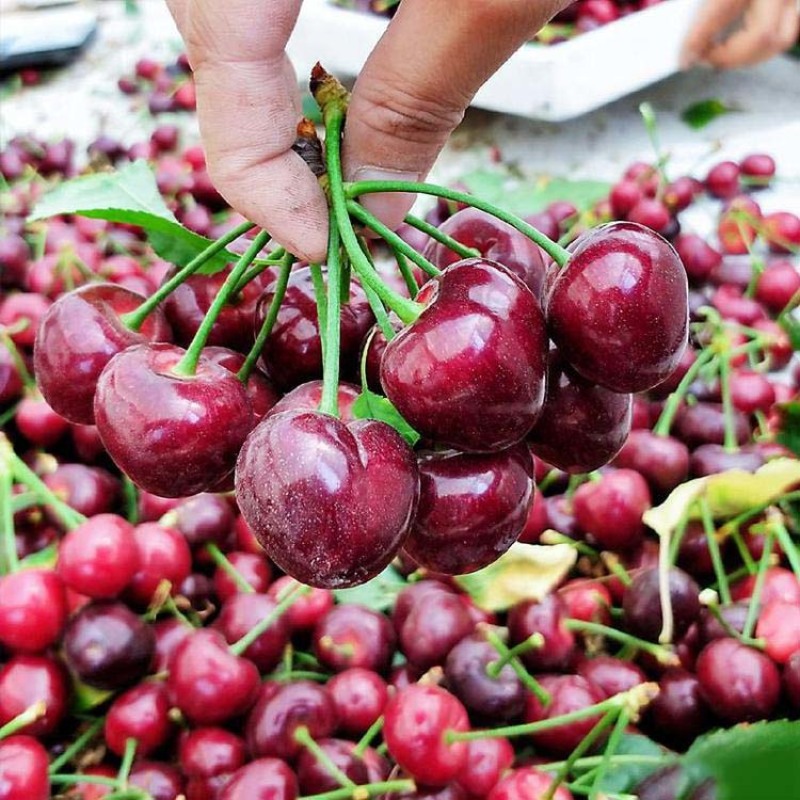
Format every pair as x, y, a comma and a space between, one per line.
33, 610
527, 783
23, 769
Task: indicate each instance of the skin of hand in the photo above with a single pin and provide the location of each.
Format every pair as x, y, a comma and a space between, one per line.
410, 95
767, 28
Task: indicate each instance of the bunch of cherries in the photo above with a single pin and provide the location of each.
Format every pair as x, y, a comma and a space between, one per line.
151, 648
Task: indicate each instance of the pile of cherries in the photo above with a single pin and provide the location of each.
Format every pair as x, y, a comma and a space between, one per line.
150, 647
166, 87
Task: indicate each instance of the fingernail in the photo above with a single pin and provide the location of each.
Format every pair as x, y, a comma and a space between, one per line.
389, 207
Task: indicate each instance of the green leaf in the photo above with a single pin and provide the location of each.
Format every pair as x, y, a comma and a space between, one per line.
789, 432
85, 697
524, 197
525, 572
378, 594
624, 777
369, 405
130, 195
749, 761
698, 115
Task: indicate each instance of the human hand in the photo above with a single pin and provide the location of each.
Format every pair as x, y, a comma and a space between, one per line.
768, 27
409, 97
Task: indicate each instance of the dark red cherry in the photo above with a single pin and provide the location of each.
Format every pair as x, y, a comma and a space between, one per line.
33, 610
623, 197
293, 352
172, 435
618, 311
206, 752
470, 371
254, 568
141, 713
330, 502
495, 241
307, 609
207, 682
159, 781
163, 556
661, 460
545, 617
739, 684
733, 619
699, 258
80, 333
26, 680
593, 421
89, 490
262, 779
472, 508
651, 213
678, 714
314, 778
791, 680
201, 519
10, 379
759, 168
710, 459
487, 761
704, 423
23, 769
307, 396
666, 783
642, 603
611, 675
723, 180
359, 696
38, 423
351, 635
23, 312
586, 599
416, 721
527, 783
170, 632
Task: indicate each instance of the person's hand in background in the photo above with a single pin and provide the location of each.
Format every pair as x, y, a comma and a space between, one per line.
409, 97
765, 28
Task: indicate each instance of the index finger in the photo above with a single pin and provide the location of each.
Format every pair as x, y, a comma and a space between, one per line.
712, 19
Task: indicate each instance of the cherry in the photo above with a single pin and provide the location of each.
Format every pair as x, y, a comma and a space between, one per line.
26, 680
80, 333
159, 781
38, 423
10, 379
163, 555
262, 779
593, 422
207, 682
492, 698
314, 778
359, 696
252, 567
642, 604
526, 783
618, 311
709, 459
170, 632
141, 713
791, 680
779, 584
738, 683
172, 435
308, 484
482, 390
33, 610
611, 509
545, 617
679, 194
207, 752
95, 791
666, 783
624, 196
678, 714
89, 490
661, 460
416, 721
782, 231
240, 613
293, 352
733, 617
201, 519
759, 168
351, 635
536, 522
651, 213
587, 600
495, 241
699, 258
563, 212
107, 646
722, 180
611, 675
23, 310
277, 714
694, 555
704, 423
732, 304
307, 396
777, 284
751, 392
472, 508
307, 609
779, 626
23, 769
568, 693
487, 761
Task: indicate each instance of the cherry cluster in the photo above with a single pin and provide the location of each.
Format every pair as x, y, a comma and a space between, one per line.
167, 87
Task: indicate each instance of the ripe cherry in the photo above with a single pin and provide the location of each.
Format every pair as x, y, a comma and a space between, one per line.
26, 680
351, 635
526, 783
642, 603
23, 769
487, 762
141, 713
611, 675
262, 779
779, 627
545, 617
662, 461
33, 610
162, 555
314, 778
359, 696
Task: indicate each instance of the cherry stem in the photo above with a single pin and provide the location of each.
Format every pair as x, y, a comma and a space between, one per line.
392, 239
259, 265
269, 321
408, 275
366, 790
223, 562
730, 442
68, 516
333, 115
621, 759
664, 597
25, 718
663, 654
440, 236
510, 656
611, 747
98, 780
127, 760
77, 746
303, 737
365, 741
329, 402
135, 319
649, 119
378, 309
662, 427
19, 362
554, 537
713, 549
734, 523
10, 560
758, 586
240, 645
187, 366
787, 545
558, 253
318, 282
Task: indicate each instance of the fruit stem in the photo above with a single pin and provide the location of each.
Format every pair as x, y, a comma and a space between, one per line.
77, 746
19, 362
649, 119
329, 402
621, 759
787, 545
135, 319
22, 720
391, 238
755, 598
662, 427
664, 597
318, 282
754, 511
303, 736
269, 321
10, 562
365, 741
127, 760
663, 654
366, 790
130, 495
98, 780
510, 656
440, 236
260, 265
222, 561
611, 747
730, 442
187, 366
554, 537
558, 253
240, 645
378, 309
713, 549
408, 275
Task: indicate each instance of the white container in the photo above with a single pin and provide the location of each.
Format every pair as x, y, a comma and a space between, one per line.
543, 82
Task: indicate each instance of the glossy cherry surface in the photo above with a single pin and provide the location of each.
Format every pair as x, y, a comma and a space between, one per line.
545, 617
140, 713
262, 779
642, 604
307, 396
359, 696
23, 769
352, 635
487, 761
526, 783
662, 461
25, 680
314, 778
33, 610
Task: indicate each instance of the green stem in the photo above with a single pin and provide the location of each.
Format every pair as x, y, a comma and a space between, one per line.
77, 746
187, 366
378, 309
788, 546
507, 657
662, 427
69, 780
392, 239
440, 236
368, 789
730, 442
611, 747
300, 675
239, 646
663, 654
269, 321
713, 549
366, 740
222, 561
737, 521
407, 274
130, 496
621, 760
303, 737
127, 760
23, 719
559, 254
276, 258
318, 282
135, 319
329, 402
19, 362
741, 548
649, 119
10, 560
755, 599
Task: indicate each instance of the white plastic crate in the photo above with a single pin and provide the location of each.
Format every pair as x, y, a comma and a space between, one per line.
543, 82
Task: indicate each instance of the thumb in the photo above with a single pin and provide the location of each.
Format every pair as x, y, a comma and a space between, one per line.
418, 81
